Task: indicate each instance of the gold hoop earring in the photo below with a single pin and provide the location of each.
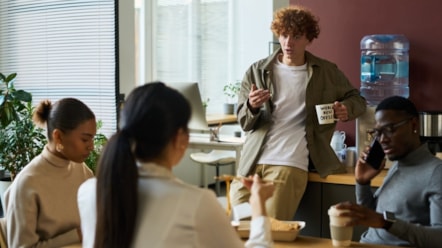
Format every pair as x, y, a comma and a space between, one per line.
59, 147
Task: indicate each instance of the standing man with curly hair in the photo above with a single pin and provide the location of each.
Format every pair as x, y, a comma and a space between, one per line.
276, 108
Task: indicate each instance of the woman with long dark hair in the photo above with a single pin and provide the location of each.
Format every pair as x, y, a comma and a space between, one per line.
136, 201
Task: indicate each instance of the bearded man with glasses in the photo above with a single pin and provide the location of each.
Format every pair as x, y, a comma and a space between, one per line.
407, 209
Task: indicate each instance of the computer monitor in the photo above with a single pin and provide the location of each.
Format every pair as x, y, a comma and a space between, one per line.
191, 92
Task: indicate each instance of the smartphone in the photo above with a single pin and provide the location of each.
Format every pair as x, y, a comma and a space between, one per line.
376, 155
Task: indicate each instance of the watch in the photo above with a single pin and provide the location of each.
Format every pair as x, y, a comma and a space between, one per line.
389, 218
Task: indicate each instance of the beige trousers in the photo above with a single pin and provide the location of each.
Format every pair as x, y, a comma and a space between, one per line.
286, 197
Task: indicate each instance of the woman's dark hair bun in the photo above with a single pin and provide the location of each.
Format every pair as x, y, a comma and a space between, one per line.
41, 113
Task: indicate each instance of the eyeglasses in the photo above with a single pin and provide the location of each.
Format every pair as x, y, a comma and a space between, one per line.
387, 130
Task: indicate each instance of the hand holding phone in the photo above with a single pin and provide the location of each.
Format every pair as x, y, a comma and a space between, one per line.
376, 155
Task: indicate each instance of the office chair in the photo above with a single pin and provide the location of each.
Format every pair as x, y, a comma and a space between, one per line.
217, 158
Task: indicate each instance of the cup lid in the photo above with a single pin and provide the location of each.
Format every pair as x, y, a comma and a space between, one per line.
335, 212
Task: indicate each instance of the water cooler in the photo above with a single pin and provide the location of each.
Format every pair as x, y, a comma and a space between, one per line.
384, 73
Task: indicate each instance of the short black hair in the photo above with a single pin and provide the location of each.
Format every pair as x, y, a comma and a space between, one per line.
398, 103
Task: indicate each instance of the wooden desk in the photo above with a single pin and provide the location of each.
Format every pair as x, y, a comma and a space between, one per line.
345, 178
72, 246
215, 119
301, 242
305, 241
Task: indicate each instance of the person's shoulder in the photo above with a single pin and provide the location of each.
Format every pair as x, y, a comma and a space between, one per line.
433, 171
429, 158
266, 62
88, 184
429, 167
437, 162
318, 61
87, 189
85, 170
31, 171
259, 64
196, 192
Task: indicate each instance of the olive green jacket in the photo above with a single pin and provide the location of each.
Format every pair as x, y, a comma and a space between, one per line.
326, 85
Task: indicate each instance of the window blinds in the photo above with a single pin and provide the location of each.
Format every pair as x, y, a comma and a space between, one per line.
191, 43
63, 49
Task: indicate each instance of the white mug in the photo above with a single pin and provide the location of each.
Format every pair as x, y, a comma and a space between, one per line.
337, 141
325, 113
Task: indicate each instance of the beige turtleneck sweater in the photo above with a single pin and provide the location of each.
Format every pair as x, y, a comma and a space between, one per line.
41, 203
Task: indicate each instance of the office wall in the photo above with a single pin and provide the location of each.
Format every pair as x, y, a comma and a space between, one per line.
344, 23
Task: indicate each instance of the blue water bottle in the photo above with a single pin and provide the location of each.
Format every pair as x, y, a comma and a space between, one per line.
384, 67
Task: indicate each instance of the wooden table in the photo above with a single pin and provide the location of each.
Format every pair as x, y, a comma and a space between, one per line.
72, 246
305, 241
215, 119
345, 178
300, 242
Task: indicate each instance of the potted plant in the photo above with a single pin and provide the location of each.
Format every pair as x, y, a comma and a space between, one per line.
231, 91
21, 140
206, 103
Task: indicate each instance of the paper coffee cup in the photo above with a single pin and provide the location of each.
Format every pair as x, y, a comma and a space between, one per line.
340, 234
350, 158
325, 113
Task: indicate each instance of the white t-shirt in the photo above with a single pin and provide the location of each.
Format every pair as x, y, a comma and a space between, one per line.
173, 214
285, 142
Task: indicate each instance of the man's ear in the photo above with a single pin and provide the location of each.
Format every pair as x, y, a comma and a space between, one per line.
415, 124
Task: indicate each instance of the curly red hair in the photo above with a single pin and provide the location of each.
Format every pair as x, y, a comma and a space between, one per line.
295, 20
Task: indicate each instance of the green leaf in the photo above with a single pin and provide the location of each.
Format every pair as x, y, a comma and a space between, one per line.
7, 114
10, 85
11, 77
22, 95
